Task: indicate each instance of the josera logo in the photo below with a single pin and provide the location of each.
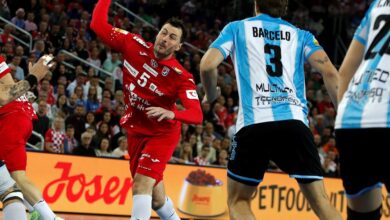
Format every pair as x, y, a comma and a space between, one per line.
201, 200
77, 187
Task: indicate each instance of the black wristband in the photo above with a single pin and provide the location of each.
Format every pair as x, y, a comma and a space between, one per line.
32, 80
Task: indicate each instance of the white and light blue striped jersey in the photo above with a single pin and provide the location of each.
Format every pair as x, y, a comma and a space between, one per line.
268, 55
366, 103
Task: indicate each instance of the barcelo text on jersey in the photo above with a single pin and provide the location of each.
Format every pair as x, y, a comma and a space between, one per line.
271, 35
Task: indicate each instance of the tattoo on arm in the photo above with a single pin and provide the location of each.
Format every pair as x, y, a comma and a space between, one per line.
19, 89
322, 61
13, 91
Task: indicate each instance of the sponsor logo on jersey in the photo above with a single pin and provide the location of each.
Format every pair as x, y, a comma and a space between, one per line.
153, 63
192, 81
165, 71
155, 160
121, 31
177, 70
152, 87
3, 67
140, 41
130, 68
191, 94
150, 70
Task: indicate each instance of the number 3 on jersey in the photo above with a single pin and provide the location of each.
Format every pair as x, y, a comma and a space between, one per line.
276, 69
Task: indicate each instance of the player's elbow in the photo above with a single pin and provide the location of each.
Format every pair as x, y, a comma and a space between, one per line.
206, 65
198, 117
330, 73
93, 25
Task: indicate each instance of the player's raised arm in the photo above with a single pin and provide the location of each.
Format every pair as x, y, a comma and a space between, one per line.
10, 92
113, 37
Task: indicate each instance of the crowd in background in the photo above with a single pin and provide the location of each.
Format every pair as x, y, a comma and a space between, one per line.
79, 107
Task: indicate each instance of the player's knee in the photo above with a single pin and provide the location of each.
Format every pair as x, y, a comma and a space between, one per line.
157, 203
143, 185
11, 195
373, 215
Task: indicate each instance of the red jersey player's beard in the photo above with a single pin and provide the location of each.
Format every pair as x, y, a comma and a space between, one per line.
163, 52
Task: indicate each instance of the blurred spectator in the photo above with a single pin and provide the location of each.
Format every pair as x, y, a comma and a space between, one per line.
111, 62
69, 141
77, 121
6, 37
102, 132
30, 25
90, 120
19, 72
92, 100
186, 153
222, 159
39, 48
18, 20
121, 150
79, 81
4, 10
54, 138
103, 150
201, 159
84, 148
94, 57
48, 90
330, 166
42, 124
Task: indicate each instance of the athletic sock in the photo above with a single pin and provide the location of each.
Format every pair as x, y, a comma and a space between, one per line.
44, 210
167, 211
142, 207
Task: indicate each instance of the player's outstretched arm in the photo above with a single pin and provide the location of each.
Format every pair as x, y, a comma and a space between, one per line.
350, 64
10, 92
321, 62
113, 37
209, 73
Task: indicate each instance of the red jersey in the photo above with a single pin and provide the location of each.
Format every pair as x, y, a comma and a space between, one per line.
148, 81
21, 103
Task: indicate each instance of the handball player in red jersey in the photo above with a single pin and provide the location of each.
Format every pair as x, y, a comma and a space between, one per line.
16, 114
153, 80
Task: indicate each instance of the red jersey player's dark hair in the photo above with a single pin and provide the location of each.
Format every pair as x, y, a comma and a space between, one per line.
274, 8
177, 23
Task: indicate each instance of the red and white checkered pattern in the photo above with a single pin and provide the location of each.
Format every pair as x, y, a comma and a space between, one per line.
56, 138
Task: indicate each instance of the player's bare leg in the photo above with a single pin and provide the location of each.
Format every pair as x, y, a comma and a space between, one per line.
32, 194
239, 200
142, 197
319, 201
162, 204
